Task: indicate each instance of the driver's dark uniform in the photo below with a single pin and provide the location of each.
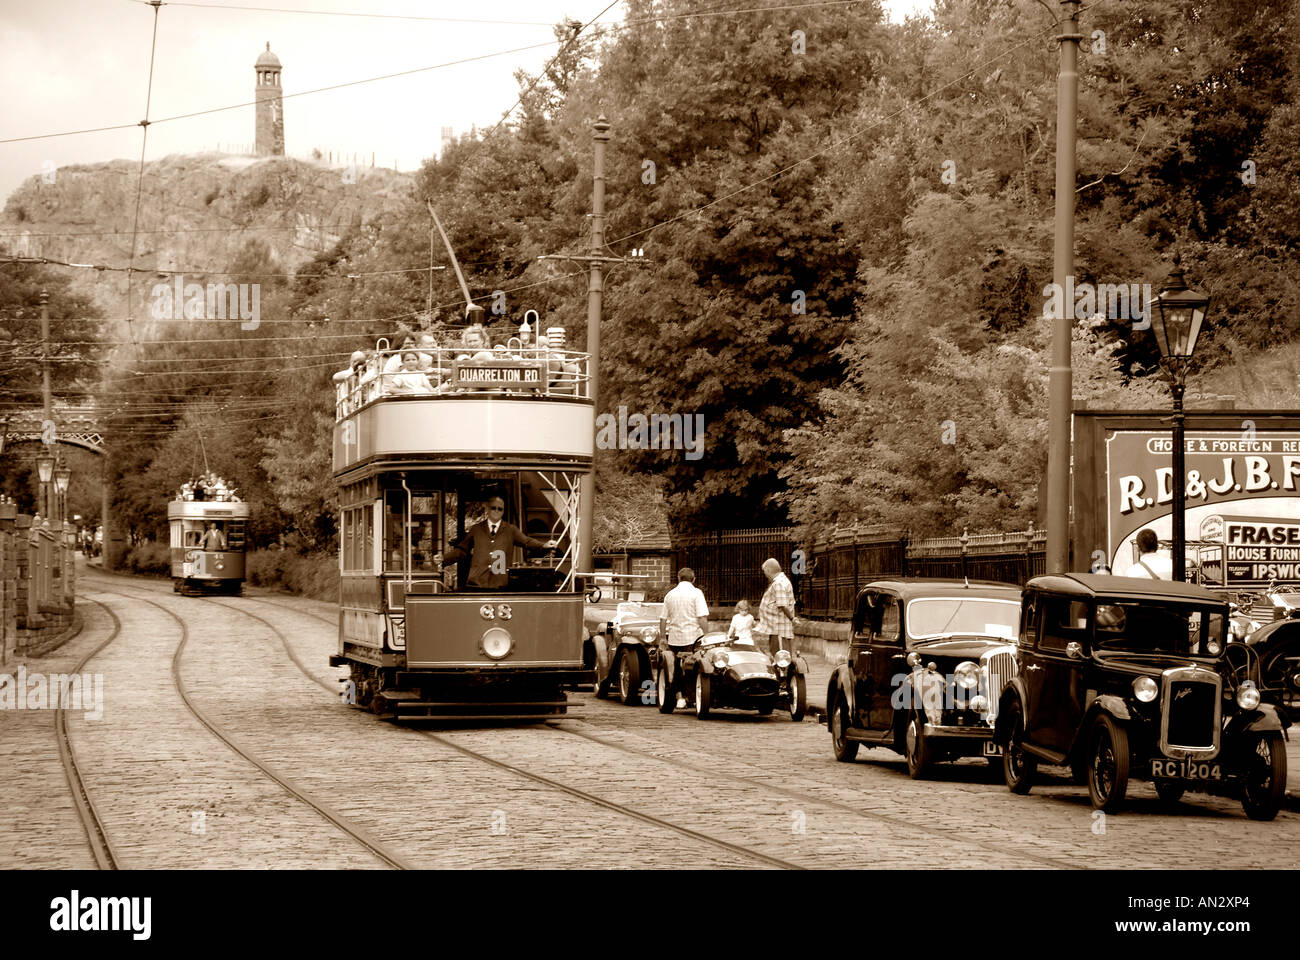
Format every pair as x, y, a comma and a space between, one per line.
482, 543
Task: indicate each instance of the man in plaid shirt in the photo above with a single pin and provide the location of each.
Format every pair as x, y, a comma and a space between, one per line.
776, 610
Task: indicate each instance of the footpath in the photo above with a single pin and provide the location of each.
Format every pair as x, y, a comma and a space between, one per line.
820, 670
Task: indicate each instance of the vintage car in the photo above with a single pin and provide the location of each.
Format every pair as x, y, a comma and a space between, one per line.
927, 661
1274, 651
718, 672
1129, 676
625, 650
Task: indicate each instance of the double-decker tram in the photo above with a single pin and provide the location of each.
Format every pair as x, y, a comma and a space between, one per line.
476, 455
207, 524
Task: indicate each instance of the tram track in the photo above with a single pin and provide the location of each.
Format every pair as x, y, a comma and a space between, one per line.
575, 792
101, 848
803, 797
324, 810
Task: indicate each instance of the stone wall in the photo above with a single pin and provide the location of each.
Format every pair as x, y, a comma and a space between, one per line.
37, 585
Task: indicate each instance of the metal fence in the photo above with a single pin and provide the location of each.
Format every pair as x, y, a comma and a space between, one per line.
828, 573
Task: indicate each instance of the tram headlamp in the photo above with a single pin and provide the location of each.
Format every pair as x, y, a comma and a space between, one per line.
496, 642
967, 675
1248, 695
1145, 689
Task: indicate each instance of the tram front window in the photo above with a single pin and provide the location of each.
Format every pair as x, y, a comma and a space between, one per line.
424, 528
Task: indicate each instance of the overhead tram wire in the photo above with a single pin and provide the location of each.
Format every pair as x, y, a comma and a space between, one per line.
139, 183
436, 66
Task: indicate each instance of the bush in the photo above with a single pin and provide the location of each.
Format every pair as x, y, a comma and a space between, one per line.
314, 575
149, 557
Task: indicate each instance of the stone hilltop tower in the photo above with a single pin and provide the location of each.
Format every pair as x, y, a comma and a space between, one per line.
270, 105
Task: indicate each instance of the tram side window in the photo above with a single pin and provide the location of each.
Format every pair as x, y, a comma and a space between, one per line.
235, 535
357, 540
426, 538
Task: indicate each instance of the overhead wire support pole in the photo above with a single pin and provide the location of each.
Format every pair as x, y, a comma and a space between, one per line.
1060, 382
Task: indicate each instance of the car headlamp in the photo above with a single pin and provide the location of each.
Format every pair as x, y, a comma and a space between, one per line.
649, 633
967, 675
496, 642
979, 703
1248, 695
720, 659
782, 658
1214, 648
1145, 689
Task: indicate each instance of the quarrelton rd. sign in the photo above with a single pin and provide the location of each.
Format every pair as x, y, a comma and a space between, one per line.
1242, 489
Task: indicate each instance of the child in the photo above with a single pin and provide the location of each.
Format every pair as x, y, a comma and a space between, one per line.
742, 624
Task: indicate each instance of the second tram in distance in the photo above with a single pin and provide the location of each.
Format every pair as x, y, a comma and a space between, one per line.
207, 532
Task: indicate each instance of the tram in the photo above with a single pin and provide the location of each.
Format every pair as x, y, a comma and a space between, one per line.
207, 530
416, 473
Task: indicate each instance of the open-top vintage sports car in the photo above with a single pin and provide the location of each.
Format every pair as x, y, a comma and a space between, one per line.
625, 650
927, 661
1131, 678
1274, 650
717, 672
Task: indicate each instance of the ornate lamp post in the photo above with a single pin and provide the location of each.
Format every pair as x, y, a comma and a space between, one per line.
61, 478
45, 469
1180, 313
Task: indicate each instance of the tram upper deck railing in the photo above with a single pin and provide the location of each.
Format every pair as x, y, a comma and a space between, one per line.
506, 372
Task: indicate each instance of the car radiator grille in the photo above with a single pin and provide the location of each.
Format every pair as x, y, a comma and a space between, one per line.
1001, 667
1191, 707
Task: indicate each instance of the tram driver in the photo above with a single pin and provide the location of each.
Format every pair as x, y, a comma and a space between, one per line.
213, 538
490, 545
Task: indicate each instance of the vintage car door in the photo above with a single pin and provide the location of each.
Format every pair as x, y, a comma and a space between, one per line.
885, 663
1053, 679
866, 622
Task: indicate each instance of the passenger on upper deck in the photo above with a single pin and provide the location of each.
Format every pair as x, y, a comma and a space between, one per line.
356, 364
394, 363
411, 379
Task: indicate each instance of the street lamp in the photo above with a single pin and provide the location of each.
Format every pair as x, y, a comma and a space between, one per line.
45, 470
1180, 313
61, 478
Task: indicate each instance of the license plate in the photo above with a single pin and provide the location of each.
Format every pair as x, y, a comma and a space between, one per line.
1186, 770
992, 749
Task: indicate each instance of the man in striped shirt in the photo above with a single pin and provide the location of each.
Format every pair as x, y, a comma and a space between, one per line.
776, 610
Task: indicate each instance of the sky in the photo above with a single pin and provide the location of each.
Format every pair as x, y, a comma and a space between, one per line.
69, 65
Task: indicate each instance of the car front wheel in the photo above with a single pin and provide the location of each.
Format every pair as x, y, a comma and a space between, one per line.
629, 677
845, 750
1018, 767
1108, 769
1264, 785
703, 689
798, 697
920, 755
667, 698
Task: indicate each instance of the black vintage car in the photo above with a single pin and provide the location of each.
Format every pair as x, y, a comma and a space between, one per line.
1273, 650
1128, 678
927, 660
717, 672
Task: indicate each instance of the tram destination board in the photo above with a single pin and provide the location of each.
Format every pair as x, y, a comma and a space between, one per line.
520, 376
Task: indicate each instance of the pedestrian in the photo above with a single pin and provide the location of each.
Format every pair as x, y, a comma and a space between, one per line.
685, 619
776, 616
490, 545
1151, 565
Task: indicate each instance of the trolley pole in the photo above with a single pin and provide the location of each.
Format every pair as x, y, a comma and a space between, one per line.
1060, 382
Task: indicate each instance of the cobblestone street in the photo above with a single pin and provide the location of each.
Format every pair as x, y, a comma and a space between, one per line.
221, 745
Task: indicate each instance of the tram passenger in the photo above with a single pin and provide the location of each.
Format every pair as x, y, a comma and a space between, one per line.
490, 545
410, 379
394, 363
213, 539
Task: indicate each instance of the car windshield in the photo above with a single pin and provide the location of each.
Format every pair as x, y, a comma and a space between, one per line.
930, 618
1148, 627
640, 611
